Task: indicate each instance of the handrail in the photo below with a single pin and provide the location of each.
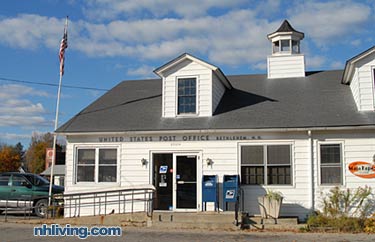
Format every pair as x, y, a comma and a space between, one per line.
96, 203
125, 200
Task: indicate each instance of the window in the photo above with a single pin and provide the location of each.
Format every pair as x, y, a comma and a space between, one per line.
276, 46
295, 46
96, 165
86, 165
187, 96
285, 45
330, 164
4, 180
18, 181
107, 165
266, 164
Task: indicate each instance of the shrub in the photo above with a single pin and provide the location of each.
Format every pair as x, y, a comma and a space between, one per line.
347, 203
342, 224
345, 211
370, 225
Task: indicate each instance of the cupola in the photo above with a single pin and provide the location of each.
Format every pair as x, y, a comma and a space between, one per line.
286, 59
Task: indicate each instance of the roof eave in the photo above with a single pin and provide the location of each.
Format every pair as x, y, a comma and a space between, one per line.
159, 71
350, 64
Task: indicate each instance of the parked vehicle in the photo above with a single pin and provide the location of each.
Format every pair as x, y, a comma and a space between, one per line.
25, 190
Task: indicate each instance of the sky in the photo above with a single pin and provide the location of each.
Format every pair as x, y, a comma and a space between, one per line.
111, 40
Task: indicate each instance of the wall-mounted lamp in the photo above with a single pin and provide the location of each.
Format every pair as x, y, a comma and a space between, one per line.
209, 162
143, 161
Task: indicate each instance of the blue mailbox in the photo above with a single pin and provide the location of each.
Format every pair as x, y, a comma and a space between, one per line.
231, 184
209, 189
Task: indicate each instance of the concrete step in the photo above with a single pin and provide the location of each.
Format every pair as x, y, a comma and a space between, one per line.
272, 224
201, 217
200, 220
279, 221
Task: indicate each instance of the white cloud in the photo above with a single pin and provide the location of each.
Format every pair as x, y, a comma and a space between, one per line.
337, 65
17, 110
332, 20
356, 42
21, 31
111, 9
143, 71
13, 136
233, 37
314, 62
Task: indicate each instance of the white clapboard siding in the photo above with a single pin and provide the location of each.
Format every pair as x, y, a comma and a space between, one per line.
357, 146
362, 84
286, 66
187, 68
354, 86
355, 149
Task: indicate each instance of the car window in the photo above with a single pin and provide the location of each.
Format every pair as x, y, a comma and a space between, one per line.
18, 180
37, 180
4, 180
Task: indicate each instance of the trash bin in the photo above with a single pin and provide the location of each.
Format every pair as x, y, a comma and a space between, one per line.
231, 184
209, 190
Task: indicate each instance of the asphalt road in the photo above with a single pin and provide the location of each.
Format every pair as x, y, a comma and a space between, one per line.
15, 232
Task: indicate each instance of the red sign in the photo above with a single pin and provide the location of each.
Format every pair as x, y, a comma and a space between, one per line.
362, 169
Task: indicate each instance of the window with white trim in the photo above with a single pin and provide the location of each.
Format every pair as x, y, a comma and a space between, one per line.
330, 164
266, 164
96, 165
187, 96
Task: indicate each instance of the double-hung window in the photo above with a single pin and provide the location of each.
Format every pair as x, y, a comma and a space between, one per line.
330, 164
187, 96
266, 165
96, 165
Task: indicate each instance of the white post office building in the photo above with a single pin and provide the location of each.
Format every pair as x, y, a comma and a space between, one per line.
289, 130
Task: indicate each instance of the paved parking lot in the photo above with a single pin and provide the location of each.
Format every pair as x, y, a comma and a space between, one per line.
11, 231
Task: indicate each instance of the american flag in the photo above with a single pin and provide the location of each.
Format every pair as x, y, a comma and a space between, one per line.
63, 46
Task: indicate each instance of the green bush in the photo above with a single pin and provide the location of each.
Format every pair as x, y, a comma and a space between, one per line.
345, 211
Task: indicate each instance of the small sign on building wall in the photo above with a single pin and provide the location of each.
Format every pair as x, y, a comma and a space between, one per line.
362, 169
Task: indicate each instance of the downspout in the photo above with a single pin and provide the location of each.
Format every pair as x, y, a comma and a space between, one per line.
312, 190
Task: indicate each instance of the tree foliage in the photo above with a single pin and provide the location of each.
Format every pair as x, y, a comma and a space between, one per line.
10, 159
36, 154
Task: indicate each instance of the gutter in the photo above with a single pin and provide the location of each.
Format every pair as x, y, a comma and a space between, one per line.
212, 131
312, 183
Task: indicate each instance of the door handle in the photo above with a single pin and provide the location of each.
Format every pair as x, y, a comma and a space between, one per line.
13, 190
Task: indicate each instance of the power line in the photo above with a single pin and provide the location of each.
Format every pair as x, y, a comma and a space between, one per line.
50, 84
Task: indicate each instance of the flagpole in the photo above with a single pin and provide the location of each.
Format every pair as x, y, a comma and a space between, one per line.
54, 142
56, 121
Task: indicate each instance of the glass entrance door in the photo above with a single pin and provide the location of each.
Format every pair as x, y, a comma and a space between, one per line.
163, 172
186, 181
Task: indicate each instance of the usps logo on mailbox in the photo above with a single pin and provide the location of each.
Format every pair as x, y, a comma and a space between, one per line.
230, 194
163, 169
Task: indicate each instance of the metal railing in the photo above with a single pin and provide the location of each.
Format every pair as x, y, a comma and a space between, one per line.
18, 205
128, 200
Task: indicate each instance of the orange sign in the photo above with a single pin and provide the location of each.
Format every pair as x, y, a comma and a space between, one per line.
362, 169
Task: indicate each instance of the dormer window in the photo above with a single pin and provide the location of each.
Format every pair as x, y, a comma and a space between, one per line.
187, 96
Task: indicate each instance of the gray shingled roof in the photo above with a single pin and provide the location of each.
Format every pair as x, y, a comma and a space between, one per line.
255, 102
